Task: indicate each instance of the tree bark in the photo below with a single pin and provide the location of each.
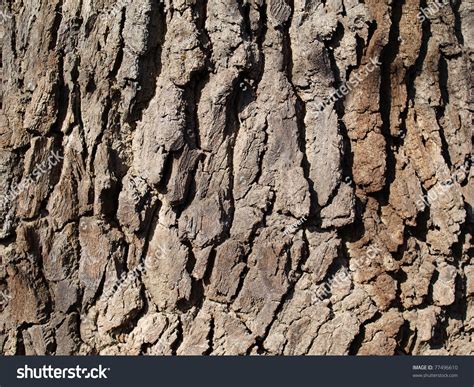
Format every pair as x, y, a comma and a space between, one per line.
234, 177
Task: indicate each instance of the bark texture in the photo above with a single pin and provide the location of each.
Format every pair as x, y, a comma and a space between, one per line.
236, 177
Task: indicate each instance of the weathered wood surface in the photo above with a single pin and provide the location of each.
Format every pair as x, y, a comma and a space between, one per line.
236, 177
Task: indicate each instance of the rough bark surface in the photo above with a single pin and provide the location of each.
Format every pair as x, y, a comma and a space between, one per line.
176, 178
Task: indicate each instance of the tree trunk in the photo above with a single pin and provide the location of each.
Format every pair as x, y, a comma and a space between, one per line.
235, 177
